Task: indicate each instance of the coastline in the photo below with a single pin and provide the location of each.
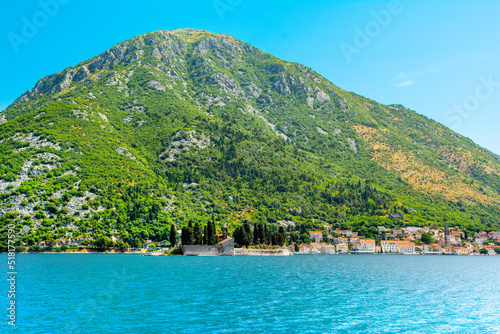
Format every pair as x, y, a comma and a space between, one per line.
259, 253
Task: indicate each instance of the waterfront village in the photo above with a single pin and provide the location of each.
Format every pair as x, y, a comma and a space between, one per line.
326, 240
408, 240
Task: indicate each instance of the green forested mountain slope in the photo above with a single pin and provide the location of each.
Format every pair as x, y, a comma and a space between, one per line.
179, 125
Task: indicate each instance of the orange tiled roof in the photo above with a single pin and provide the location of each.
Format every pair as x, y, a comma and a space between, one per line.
396, 242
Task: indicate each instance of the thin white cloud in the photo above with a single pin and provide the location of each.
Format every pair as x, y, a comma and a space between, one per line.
406, 83
460, 60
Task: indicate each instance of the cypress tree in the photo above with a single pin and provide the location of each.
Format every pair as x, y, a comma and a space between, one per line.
256, 236
210, 233
248, 233
187, 237
173, 235
262, 233
281, 236
267, 234
198, 237
239, 236
205, 235
215, 238
183, 236
247, 227
274, 238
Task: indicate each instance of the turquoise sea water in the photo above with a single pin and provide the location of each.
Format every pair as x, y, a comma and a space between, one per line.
118, 293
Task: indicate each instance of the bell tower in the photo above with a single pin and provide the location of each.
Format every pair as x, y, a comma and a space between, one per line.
447, 235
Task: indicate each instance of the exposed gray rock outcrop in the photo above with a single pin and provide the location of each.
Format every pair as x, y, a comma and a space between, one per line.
191, 142
124, 151
352, 143
81, 74
156, 85
322, 131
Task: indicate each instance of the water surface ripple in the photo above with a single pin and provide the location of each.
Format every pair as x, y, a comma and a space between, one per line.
110, 293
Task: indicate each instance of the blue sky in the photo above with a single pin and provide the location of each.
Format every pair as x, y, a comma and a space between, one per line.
439, 58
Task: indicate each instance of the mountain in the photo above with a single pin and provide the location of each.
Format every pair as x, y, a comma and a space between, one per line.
186, 124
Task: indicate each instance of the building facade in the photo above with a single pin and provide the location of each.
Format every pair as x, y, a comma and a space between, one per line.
366, 246
316, 236
392, 246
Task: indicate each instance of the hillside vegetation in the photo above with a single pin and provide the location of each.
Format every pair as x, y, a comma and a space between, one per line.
180, 125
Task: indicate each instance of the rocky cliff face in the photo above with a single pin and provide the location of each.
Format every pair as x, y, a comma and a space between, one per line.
187, 121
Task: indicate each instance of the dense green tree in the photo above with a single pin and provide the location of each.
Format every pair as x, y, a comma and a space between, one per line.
427, 238
239, 236
187, 236
274, 238
325, 235
173, 235
103, 242
210, 233
35, 249
280, 238
248, 232
295, 237
205, 235
198, 235
261, 235
363, 231
212, 238
122, 245
257, 237
267, 234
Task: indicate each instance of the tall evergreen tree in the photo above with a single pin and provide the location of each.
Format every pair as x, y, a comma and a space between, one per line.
198, 237
274, 238
173, 235
262, 233
205, 235
215, 238
257, 234
267, 234
210, 233
281, 236
239, 236
187, 237
248, 232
